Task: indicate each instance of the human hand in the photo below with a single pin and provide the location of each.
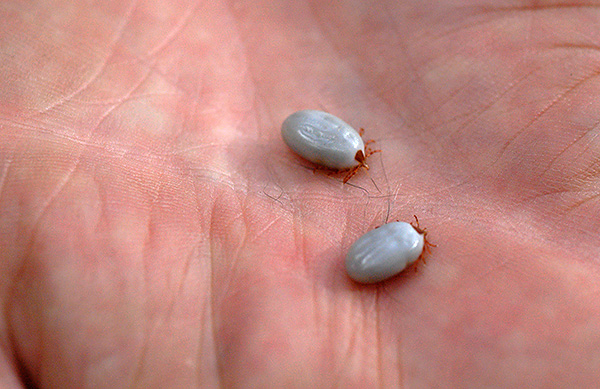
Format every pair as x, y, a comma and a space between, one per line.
157, 232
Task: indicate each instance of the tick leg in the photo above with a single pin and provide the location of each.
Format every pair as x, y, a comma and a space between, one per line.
369, 152
367, 142
351, 173
417, 227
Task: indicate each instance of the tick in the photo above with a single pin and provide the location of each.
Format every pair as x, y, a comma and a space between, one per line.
386, 251
327, 141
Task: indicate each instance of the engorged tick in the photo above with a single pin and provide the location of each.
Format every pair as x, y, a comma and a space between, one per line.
327, 141
386, 251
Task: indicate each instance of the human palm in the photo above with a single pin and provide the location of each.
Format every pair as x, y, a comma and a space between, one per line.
157, 232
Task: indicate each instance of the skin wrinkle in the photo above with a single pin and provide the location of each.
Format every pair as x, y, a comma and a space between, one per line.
544, 110
205, 330
250, 80
178, 292
560, 154
241, 242
580, 138
53, 196
62, 183
349, 351
149, 331
44, 131
129, 99
463, 28
301, 241
538, 197
584, 201
414, 69
323, 317
220, 369
178, 28
538, 7
492, 270
164, 77
473, 116
141, 357
24, 372
344, 357
465, 200
101, 65
579, 46
591, 175
315, 299
401, 363
509, 87
595, 130
194, 96
142, 354
364, 322
379, 339
264, 229
4, 173
226, 287
450, 99
322, 22
44, 354
122, 101
150, 325
350, 345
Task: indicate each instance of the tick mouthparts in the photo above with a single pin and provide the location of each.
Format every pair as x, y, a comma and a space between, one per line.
365, 166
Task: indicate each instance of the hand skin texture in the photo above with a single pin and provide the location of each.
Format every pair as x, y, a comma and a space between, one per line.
157, 232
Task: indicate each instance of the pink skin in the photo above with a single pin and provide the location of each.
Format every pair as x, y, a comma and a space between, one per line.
155, 229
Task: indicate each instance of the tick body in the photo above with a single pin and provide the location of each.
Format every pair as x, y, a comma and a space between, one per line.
325, 140
385, 251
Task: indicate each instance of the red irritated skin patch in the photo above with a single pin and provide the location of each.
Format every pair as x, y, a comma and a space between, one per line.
327, 141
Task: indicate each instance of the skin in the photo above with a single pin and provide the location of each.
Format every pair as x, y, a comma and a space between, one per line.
156, 231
